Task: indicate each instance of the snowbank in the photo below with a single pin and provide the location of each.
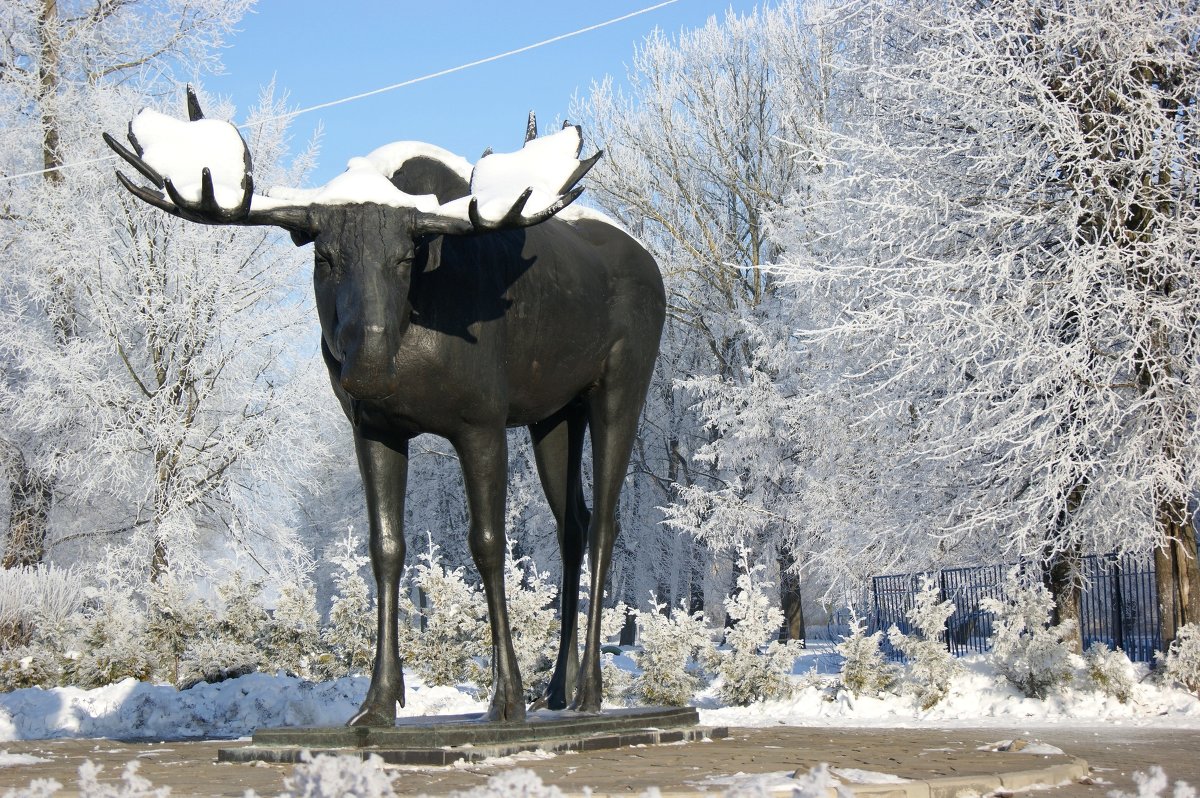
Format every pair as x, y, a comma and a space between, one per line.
234, 708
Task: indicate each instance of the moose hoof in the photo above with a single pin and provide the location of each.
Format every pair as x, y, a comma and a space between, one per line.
505, 710
586, 700
373, 716
549, 701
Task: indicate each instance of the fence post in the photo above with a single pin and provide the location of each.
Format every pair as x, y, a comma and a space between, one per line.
945, 624
1118, 603
874, 625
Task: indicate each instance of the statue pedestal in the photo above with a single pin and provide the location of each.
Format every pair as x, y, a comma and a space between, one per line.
442, 740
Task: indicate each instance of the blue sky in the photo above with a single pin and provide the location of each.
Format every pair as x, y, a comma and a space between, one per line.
318, 51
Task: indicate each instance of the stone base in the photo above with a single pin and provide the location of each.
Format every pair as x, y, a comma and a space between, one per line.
442, 740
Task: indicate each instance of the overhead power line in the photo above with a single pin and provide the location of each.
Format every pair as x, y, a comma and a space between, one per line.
394, 86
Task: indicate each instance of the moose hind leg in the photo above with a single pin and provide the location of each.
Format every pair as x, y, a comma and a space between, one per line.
614, 409
384, 468
484, 457
558, 451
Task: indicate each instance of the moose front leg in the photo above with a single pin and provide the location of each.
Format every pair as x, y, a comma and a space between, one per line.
383, 462
484, 457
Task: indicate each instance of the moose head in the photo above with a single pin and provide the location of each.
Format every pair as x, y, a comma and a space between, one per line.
459, 310
364, 229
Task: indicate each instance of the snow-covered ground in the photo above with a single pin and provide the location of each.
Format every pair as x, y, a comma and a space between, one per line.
236, 707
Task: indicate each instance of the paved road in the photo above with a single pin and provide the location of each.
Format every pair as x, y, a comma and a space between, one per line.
1114, 752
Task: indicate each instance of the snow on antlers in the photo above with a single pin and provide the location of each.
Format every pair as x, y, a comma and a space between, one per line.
546, 167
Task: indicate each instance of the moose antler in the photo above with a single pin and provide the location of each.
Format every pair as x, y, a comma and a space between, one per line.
544, 174
508, 190
174, 149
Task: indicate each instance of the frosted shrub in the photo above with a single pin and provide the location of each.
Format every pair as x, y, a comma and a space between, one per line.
293, 635
672, 646
351, 628
515, 783
1153, 784
1110, 671
131, 785
112, 641
175, 620
755, 666
455, 625
617, 683
865, 670
1182, 662
1030, 654
233, 647
531, 616
42, 596
930, 666
339, 777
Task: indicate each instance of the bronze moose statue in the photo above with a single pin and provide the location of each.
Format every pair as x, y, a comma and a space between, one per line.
452, 303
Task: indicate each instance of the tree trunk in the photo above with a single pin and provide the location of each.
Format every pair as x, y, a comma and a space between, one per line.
1063, 577
30, 498
790, 597
158, 560
1176, 574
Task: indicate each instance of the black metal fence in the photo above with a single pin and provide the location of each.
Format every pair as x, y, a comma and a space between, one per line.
1118, 604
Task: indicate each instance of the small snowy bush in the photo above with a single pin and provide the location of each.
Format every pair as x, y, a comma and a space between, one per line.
351, 628
515, 783
339, 777
112, 641
233, 646
41, 596
865, 669
1152, 784
456, 631
1182, 662
34, 665
175, 620
1110, 671
672, 646
1032, 655
931, 666
755, 666
293, 634
530, 596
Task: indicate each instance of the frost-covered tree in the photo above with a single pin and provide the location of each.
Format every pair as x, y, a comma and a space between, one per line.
349, 631
164, 358
1006, 236
674, 648
453, 625
1182, 661
865, 669
293, 633
1026, 649
929, 665
754, 665
111, 643
176, 620
698, 156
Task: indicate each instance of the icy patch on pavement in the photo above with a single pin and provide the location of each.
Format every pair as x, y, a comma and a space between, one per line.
857, 776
